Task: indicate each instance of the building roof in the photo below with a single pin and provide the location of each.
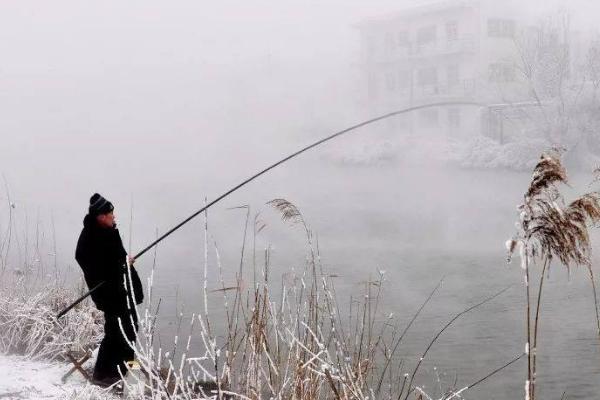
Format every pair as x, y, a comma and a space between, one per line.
432, 7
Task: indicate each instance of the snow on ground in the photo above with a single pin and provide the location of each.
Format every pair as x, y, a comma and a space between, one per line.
31, 380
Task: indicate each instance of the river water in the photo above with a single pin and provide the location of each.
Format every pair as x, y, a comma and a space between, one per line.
418, 224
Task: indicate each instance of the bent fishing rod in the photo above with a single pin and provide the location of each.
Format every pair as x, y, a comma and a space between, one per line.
264, 171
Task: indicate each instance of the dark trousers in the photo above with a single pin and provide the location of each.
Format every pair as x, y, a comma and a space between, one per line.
114, 351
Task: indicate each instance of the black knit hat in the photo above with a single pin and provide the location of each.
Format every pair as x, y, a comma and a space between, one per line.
99, 205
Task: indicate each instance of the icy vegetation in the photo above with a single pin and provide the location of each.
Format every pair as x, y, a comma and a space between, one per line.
484, 153
29, 325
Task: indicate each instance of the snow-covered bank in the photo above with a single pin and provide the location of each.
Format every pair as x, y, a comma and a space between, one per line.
23, 379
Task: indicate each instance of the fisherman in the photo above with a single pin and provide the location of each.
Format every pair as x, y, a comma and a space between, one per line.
102, 258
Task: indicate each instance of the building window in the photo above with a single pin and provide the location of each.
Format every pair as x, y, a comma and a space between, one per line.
389, 42
454, 118
390, 81
427, 76
370, 46
372, 86
429, 118
501, 28
452, 75
403, 39
451, 30
426, 35
501, 73
404, 80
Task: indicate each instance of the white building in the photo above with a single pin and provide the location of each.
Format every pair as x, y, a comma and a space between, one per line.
459, 50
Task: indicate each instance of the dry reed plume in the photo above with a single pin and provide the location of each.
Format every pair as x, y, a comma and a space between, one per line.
550, 229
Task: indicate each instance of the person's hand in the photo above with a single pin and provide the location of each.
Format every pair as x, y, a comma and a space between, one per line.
131, 260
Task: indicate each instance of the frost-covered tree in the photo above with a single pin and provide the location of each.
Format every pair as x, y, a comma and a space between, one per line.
589, 124
559, 77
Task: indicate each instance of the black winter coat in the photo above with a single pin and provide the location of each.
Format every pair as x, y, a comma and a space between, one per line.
101, 256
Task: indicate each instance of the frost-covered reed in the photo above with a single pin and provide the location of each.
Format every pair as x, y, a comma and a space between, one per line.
292, 341
551, 229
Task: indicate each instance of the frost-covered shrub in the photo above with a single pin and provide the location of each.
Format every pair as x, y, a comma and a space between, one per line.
29, 327
484, 153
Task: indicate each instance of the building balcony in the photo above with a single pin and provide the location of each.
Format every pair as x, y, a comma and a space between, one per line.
465, 45
414, 51
463, 89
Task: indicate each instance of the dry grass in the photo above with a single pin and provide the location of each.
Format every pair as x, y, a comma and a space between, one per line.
288, 342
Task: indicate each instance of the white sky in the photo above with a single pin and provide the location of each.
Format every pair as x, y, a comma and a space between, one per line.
103, 95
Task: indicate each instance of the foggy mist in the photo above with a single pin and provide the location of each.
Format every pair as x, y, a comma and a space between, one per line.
163, 106
127, 99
